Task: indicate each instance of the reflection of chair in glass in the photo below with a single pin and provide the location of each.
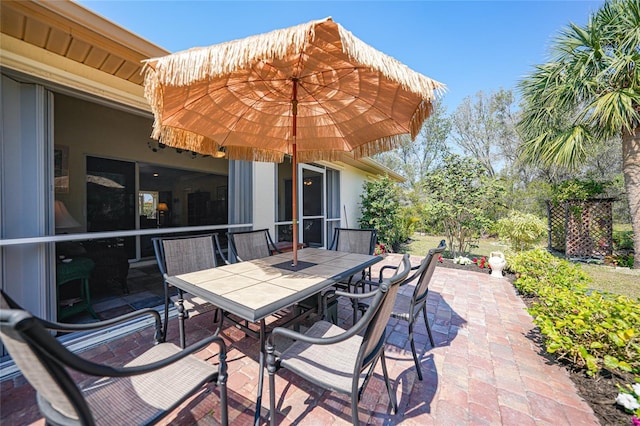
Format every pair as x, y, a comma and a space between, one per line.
360, 241
143, 391
78, 270
337, 359
408, 308
249, 245
181, 255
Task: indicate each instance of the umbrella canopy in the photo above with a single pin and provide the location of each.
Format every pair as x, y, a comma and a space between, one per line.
313, 91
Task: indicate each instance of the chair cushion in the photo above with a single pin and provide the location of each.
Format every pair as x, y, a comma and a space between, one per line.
133, 400
331, 366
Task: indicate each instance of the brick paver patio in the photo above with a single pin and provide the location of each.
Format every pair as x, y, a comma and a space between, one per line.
484, 370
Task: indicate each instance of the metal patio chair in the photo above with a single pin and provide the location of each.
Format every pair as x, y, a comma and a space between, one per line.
181, 255
408, 308
337, 359
352, 240
249, 245
142, 392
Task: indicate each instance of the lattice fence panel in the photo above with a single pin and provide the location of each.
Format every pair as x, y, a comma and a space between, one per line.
582, 228
557, 237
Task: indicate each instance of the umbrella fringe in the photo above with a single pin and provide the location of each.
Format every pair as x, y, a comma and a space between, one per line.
196, 64
186, 67
309, 156
380, 145
246, 153
423, 112
389, 66
182, 139
154, 94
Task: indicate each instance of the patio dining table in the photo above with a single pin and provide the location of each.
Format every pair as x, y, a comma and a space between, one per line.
256, 289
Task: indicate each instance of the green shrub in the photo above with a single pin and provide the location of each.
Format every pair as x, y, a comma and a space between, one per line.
521, 230
461, 200
381, 211
622, 260
590, 329
623, 240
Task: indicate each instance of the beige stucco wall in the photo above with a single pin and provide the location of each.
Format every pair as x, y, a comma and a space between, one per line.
351, 181
264, 196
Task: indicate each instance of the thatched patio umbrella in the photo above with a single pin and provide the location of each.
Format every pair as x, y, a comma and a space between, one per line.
313, 91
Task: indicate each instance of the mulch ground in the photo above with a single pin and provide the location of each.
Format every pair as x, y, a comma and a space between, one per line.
600, 391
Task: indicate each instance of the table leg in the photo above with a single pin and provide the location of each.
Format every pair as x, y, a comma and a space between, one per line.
256, 419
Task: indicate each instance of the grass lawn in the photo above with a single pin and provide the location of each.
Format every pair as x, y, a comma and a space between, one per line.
622, 281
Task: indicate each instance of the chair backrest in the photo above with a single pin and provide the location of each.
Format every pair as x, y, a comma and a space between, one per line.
249, 245
181, 255
361, 241
425, 272
381, 308
34, 351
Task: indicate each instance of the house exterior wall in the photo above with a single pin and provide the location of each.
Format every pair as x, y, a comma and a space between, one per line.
351, 182
264, 196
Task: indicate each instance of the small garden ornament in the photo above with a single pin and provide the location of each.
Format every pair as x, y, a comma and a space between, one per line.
497, 263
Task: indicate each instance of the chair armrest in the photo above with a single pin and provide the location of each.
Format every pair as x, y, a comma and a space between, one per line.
294, 335
386, 267
66, 327
334, 294
217, 242
82, 365
356, 295
355, 329
274, 248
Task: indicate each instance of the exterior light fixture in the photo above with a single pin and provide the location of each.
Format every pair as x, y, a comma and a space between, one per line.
219, 153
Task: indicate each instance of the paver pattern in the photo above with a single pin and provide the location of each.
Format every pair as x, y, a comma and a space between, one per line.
486, 369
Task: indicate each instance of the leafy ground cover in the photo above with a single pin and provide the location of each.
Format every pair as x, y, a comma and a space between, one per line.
600, 389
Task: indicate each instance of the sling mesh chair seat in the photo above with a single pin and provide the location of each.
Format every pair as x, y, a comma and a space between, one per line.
181, 255
250, 245
336, 359
141, 392
408, 308
359, 241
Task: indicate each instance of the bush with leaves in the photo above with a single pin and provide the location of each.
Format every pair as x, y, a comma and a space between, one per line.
521, 230
462, 201
381, 211
590, 329
578, 190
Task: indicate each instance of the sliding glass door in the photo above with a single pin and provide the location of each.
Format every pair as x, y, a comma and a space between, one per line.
313, 203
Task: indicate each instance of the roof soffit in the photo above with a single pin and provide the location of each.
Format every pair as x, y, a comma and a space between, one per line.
69, 30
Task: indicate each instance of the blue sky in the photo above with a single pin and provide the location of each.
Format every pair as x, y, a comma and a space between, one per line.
469, 45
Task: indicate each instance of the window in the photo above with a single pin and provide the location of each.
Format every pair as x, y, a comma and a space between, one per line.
148, 204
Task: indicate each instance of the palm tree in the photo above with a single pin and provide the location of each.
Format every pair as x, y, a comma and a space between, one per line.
588, 94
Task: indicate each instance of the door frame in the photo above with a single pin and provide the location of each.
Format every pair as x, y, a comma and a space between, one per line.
323, 216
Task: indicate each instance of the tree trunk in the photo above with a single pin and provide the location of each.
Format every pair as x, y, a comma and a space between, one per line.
631, 170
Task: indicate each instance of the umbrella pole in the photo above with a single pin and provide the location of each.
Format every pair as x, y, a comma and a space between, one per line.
294, 188
294, 172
